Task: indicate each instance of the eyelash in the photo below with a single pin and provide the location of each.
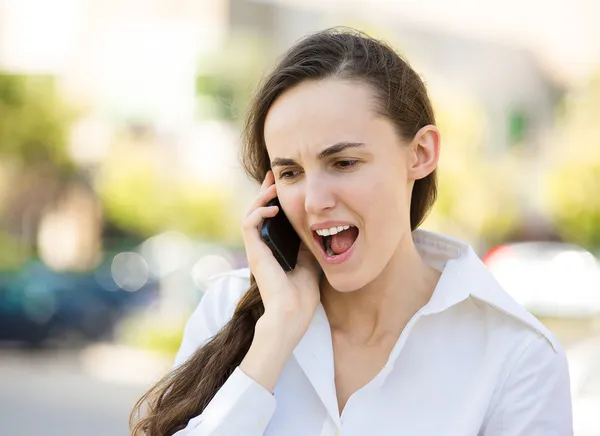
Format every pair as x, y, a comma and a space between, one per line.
352, 163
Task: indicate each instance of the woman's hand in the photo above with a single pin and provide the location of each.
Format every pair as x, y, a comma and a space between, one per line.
289, 297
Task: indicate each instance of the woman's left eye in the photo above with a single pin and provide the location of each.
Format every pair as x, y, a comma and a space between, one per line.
345, 164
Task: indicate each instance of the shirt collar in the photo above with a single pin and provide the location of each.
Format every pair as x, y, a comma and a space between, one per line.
464, 275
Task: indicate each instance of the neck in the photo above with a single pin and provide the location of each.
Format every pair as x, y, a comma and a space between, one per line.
381, 309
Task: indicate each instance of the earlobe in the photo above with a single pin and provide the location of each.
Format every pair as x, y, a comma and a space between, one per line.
425, 152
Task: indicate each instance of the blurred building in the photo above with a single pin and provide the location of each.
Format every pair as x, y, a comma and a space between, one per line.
133, 58
139, 59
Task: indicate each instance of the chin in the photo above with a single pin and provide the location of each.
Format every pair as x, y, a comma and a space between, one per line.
346, 282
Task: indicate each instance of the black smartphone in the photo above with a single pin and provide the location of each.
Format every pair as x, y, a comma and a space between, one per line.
281, 238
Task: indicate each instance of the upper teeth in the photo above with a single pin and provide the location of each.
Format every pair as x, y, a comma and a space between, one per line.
332, 230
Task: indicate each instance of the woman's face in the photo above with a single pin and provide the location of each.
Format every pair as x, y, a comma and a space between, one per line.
338, 163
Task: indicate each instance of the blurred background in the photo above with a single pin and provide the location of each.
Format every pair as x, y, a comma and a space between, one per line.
121, 190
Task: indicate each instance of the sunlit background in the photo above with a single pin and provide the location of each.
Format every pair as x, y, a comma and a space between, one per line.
121, 190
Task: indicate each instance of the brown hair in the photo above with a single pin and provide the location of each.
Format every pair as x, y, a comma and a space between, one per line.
400, 95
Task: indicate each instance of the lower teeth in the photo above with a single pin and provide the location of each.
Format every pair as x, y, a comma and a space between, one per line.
330, 252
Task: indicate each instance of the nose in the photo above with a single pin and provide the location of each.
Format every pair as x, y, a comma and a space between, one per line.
318, 196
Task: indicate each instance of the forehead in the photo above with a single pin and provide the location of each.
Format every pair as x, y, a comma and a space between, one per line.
316, 114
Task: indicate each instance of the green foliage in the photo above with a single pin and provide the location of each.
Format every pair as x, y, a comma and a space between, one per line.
573, 179
226, 80
32, 121
12, 253
575, 203
33, 138
149, 330
476, 198
137, 197
517, 126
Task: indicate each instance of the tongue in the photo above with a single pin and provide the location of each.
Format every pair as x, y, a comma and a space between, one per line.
340, 242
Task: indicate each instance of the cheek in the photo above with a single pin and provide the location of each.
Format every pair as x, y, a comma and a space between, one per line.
292, 202
385, 201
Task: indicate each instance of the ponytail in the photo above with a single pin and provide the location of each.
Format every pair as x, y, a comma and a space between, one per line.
185, 392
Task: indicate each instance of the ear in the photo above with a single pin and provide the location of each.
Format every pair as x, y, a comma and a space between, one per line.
424, 152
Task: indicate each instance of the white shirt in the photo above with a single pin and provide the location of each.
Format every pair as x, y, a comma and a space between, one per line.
471, 362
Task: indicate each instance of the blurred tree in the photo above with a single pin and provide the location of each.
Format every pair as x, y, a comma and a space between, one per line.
35, 165
142, 197
573, 176
476, 199
149, 330
227, 79
32, 121
140, 193
12, 253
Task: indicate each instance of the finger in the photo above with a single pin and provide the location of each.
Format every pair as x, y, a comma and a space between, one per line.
255, 219
255, 246
262, 199
268, 180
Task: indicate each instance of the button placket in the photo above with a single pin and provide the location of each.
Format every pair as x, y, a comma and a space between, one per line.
330, 429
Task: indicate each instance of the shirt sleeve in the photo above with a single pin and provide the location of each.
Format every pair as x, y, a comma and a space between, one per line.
241, 406
535, 399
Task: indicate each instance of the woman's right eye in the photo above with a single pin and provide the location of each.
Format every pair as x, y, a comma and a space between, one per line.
288, 174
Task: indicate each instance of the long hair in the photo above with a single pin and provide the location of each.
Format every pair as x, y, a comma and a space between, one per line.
400, 96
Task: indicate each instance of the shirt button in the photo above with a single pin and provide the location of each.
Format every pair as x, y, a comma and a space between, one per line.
338, 433
261, 424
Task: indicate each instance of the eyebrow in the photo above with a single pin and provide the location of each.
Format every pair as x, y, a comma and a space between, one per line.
329, 151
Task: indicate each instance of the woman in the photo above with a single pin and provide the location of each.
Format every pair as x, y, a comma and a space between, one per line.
381, 329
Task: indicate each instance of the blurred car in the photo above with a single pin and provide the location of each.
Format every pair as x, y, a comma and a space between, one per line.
584, 369
548, 278
37, 303
553, 279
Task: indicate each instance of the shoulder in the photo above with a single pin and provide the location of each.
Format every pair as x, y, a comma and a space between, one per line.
215, 309
531, 363
511, 321
513, 333
524, 359
223, 293
505, 321
533, 390
478, 301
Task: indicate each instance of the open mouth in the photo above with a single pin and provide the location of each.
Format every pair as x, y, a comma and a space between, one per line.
338, 240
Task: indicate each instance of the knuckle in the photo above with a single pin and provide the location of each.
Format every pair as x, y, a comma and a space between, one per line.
247, 225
